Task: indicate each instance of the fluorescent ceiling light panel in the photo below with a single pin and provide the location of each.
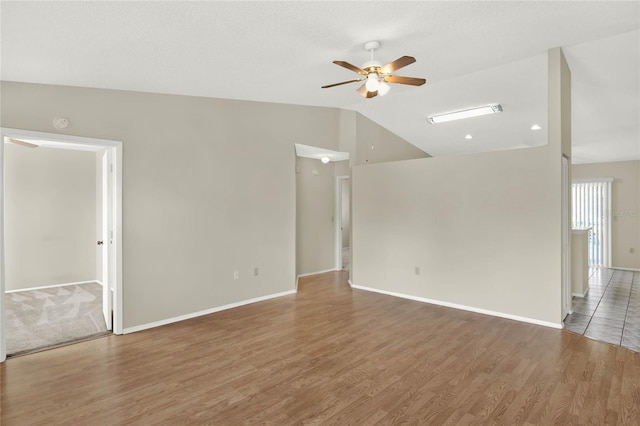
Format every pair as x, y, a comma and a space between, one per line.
466, 113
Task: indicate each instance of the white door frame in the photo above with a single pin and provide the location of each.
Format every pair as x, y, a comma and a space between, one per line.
106, 226
338, 221
115, 264
567, 305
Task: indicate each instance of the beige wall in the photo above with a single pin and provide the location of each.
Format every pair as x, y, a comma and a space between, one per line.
50, 216
347, 135
208, 188
625, 205
375, 144
315, 232
482, 229
368, 143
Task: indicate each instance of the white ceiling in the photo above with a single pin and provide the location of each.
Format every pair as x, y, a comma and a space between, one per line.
471, 53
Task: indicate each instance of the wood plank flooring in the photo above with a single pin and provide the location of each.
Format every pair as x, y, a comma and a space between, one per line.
328, 355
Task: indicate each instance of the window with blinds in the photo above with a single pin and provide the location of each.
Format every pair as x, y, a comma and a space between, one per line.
591, 208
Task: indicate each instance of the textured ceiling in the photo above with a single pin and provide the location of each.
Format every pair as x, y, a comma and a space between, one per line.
470, 53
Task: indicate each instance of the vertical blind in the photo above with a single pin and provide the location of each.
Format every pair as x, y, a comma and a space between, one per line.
591, 208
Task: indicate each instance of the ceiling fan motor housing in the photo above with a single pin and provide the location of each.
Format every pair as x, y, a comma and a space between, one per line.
374, 65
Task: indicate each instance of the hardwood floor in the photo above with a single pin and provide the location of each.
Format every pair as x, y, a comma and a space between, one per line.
328, 355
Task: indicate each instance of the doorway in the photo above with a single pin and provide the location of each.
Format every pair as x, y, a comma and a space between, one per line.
591, 209
108, 217
317, 236
343, 223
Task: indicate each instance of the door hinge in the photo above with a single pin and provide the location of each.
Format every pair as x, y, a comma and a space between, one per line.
111, 167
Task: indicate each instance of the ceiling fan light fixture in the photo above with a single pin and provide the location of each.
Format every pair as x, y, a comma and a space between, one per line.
372, 82
466, 113
383, 88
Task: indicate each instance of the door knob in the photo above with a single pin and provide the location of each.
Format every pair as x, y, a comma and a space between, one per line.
100, 243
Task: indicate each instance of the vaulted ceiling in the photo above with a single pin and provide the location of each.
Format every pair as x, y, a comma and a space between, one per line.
471, 53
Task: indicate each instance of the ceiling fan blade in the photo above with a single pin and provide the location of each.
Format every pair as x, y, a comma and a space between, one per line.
397, 64
350, 67
362, 90
344, 82
405, 80
19, 142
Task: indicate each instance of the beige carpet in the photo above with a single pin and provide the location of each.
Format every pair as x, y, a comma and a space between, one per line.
37, 319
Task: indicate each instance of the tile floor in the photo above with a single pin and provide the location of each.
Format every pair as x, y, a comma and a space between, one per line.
611, 309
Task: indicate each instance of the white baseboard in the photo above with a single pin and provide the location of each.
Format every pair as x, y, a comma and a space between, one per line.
51, 286
205, 312
308, 274
626, 269
461, 307
581, 295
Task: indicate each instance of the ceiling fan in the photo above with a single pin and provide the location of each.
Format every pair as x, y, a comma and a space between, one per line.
376, 76
20, 142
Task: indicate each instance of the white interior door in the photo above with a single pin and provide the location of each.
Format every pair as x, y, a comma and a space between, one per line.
106, 242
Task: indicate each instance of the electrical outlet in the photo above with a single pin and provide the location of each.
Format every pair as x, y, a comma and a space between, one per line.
417, 270
256, 271
236, 274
